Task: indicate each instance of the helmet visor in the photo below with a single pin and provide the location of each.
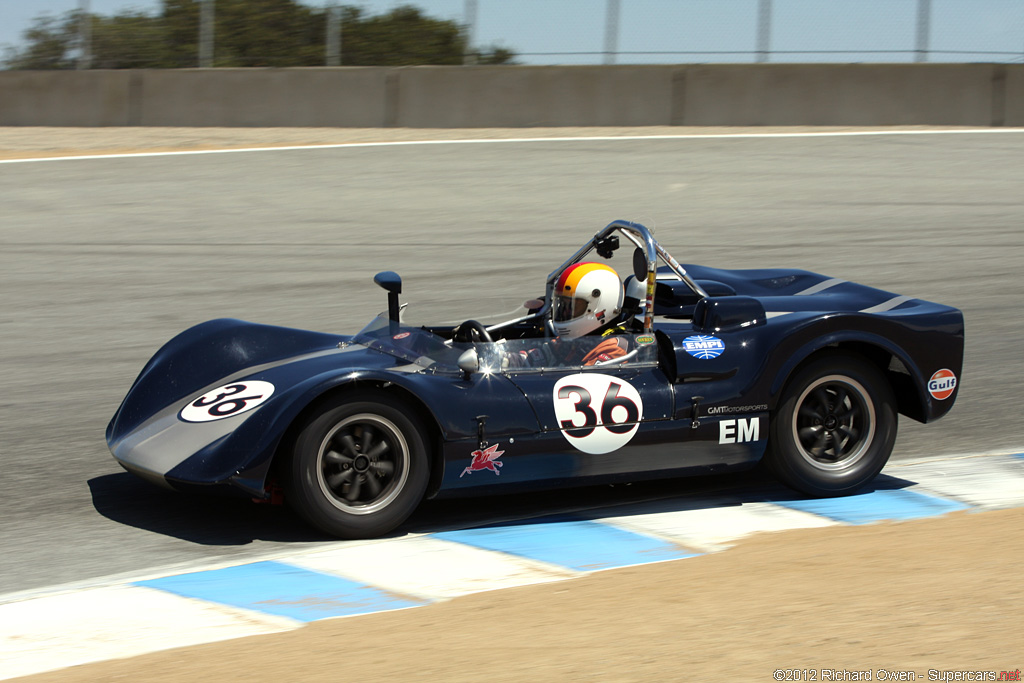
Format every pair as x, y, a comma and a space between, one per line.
568, 308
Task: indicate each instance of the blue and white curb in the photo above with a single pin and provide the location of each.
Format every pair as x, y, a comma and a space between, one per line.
145, 615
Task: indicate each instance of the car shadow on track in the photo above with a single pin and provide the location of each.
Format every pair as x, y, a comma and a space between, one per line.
205, 520
673, 495
233, 521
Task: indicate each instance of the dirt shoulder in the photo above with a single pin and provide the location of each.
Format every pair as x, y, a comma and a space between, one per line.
942, 594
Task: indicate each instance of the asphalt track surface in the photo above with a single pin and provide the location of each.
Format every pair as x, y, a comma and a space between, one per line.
103, 260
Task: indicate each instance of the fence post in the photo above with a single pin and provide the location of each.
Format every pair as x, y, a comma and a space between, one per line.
84, 35
924, 18
205, 34
469, 21
611, 32
333, 35
764, 29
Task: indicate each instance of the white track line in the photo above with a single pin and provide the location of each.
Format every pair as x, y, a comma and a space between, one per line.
440, 569
487, 141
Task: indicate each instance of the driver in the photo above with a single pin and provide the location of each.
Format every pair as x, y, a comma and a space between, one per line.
587, 301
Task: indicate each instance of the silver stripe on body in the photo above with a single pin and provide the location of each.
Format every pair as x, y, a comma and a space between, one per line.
888, 305
821, 287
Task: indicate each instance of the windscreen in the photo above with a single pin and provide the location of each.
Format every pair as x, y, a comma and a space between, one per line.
412, 344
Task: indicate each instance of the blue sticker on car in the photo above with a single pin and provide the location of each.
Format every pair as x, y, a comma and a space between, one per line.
704, 347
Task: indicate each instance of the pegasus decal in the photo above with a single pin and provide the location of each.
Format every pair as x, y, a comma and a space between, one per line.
486, 459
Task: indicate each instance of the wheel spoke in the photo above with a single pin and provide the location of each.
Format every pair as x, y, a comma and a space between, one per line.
354, 490
818, 449
336, 458
835, 445
350, 445
840, 405
367, 440
853, 413
811, 412
384, 467
823, 398
338, 478
807, 434
372, 485
850, 432
378, 450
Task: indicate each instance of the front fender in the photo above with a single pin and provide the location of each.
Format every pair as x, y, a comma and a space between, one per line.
227, 347
243, 457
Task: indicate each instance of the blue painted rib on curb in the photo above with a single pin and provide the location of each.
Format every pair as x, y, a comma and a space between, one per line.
578, 544
877, 506
283, 590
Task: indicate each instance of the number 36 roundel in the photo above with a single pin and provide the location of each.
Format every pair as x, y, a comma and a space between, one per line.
597, 413
228, 400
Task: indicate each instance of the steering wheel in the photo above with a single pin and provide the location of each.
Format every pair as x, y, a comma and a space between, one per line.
471, 331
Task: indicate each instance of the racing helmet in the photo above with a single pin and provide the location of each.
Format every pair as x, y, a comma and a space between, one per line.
586, 297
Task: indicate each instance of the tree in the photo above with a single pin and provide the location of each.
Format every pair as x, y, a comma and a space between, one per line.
249, 33
131, 40
405, 37
50, 43
402, 37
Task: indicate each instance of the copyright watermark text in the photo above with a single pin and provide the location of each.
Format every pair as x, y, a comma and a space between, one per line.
894, 675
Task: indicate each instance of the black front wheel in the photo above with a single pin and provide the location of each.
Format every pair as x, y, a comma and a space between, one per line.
360, 467
834, 428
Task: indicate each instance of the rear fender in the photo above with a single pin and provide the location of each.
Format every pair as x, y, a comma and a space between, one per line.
911, 393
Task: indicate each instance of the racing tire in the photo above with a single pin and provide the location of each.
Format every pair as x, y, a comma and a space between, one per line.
359, 467
834, 428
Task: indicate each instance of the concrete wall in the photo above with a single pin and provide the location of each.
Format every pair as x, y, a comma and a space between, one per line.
496, 96
1014, 100
449, 97
264, 97
65, 98
839, 95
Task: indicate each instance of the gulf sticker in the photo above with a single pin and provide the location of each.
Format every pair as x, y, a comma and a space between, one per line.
227, 401
942, 384
597, 413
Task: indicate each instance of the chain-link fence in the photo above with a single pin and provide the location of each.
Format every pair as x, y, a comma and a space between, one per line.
318, 32
687, 31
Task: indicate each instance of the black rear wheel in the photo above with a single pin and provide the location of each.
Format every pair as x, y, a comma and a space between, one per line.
359, 467
834, 428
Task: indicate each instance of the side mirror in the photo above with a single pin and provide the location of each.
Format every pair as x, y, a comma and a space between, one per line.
389, 280
639, 265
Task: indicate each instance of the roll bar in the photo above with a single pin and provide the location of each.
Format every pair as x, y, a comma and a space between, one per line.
641, 237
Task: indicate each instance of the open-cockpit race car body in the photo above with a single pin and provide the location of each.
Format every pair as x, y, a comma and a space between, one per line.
717, 370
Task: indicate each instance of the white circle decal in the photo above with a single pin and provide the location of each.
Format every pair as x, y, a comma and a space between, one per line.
227, 401
597, 413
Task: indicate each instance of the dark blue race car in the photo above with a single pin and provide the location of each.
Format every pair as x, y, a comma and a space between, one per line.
709, 370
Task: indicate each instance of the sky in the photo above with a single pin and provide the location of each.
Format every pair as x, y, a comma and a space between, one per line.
573, 31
